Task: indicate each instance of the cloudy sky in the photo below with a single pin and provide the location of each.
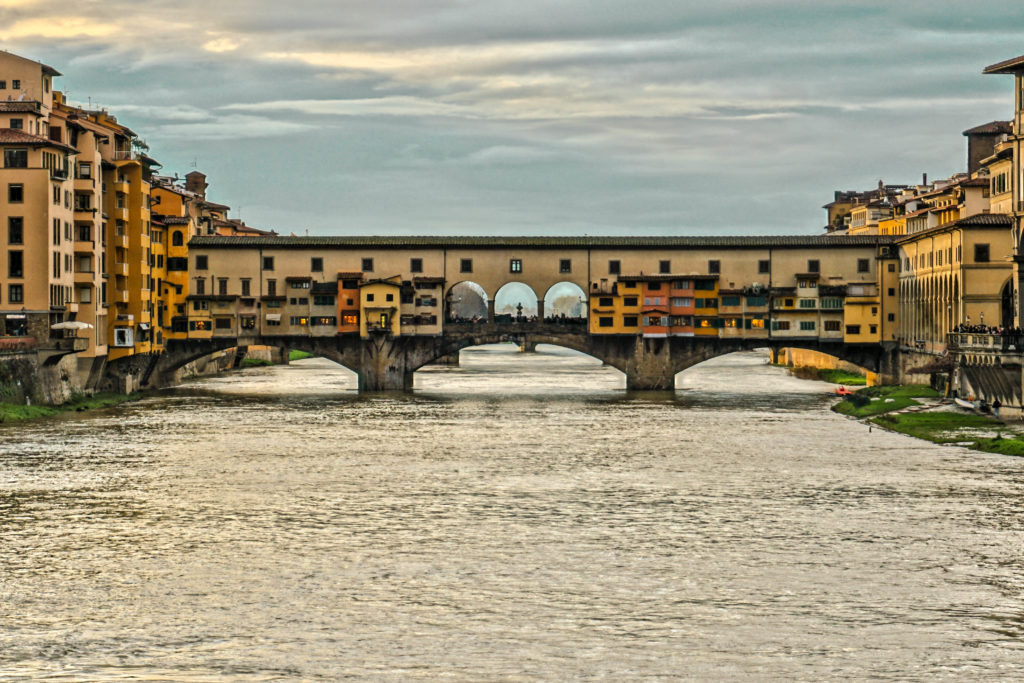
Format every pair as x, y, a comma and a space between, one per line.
534, 116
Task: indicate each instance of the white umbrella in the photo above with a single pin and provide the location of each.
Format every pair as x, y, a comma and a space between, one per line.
71, 325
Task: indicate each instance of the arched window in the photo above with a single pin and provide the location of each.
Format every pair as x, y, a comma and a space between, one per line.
177, 238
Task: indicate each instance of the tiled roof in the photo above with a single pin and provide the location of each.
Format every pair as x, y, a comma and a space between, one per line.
567, 242
174, 220
349, 276
17, 137
665, 277
978, 220
1009, 66
29, 107
992, 127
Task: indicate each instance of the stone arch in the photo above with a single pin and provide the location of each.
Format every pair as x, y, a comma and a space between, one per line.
512, 295
466, 300
565, 298
1006, 303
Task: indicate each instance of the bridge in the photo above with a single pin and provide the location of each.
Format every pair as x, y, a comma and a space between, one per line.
649, 307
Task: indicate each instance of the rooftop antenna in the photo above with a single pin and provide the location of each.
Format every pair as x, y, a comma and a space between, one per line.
195, 162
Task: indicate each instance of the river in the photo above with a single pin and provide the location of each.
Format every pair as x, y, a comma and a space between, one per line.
520, 517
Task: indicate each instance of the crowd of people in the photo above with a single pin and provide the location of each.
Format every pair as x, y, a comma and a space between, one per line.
506, 318
988, 329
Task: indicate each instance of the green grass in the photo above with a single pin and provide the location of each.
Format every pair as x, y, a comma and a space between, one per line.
298, 355
861, 405
12, 412
254, 362
953, 427
853, 379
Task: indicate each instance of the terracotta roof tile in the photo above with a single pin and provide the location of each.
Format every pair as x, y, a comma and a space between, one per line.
17, 137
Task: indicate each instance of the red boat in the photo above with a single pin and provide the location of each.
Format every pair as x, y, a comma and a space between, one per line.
843, 391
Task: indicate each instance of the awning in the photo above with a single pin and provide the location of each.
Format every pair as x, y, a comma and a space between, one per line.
15, 316
143, 326
275, 317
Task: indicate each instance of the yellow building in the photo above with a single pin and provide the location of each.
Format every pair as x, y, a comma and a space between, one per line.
379, 306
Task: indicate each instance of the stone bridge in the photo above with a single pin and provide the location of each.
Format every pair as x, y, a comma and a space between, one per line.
388, 363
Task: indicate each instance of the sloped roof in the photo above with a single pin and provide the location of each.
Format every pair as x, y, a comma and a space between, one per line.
1009, 66
543, 242
17, 137
992, 127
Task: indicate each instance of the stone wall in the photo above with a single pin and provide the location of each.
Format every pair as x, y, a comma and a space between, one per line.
809, 358
24, 380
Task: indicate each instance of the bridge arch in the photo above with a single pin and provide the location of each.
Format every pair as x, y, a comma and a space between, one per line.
467, 300
565, 299
517, 299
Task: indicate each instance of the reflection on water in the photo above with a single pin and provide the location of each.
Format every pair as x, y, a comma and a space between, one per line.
520, 517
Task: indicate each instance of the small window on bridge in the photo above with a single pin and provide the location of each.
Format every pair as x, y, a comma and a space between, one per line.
202, 262
630, 321
367, 265
813, 266
864, 265
268, 263
853, 329
714, 267
832, 325
980, 253
565, 266
614, 267
316, 264
604, 301
416, 265
605, 321
466, 265
515, 265
664, 267
630, 301
764, 266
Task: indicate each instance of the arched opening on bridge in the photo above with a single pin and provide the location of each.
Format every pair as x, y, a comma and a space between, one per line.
515, 301
500, 369
565, 301
466, 302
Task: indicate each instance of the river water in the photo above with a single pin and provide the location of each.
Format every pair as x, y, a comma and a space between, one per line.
518, 518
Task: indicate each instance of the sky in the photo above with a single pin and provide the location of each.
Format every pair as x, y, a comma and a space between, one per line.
531, 117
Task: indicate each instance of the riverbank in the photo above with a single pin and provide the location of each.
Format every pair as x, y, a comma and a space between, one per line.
920, 411
11, 412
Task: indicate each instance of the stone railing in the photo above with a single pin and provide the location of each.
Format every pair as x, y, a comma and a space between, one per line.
974, 341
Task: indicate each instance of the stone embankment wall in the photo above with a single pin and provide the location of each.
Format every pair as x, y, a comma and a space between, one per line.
808, 358
24, 380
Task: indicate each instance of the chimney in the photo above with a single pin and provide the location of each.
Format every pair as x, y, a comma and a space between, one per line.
924, 178
196, 182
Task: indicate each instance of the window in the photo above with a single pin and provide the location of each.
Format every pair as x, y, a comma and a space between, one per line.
604, 301
298, 320
714, 267
15, 264
15, 158
16, 84
416, 265
757, 301
222, 323
515, 265
178, 240
873, 329
630, 301
222, 286
466, 265
316, 264
15, 230
652, 320
85, 170
389, 297
246, 287
605, 321
328, 320
688, 301
200, 286
268, 263
780, 324
726, 301
874, 310
17, 124
833, 325
764, 266
654, 286
808, 303
614, 267
565, 265
831, 302
664, 267
3, 85
367, 265
369, 297
892, 291
630, 321
788, 303
15, 294
323, 299
813, 266
201, 262
15, 193
892, 267
891, 317
807, 325
863, 265
853, 329
299, 284
981, 253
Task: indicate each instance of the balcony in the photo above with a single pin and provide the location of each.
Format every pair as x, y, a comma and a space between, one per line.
971, 341
119, 269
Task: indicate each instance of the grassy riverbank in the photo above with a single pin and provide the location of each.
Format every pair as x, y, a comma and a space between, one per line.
890, 407
10, 412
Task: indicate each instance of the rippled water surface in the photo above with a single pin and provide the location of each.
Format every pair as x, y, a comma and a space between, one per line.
520, 517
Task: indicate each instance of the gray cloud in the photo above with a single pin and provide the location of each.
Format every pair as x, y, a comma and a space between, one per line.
533, 116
